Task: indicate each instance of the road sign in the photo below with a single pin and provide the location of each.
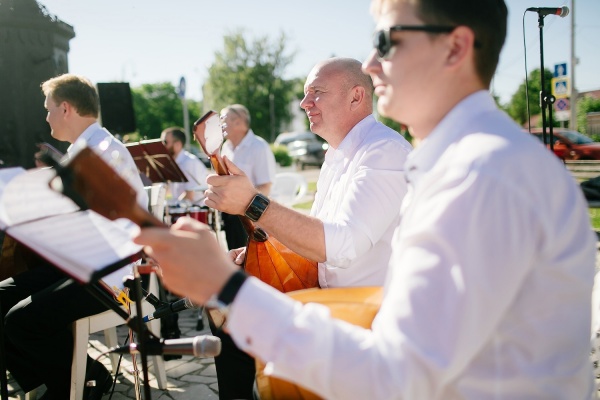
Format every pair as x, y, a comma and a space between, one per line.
181, 88
563, 115
561, 105
560, 87
560, 70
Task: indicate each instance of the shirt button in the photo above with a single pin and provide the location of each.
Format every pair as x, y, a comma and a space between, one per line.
249, 341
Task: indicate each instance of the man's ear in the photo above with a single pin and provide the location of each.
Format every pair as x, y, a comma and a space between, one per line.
462, 40
68, 109
358, 96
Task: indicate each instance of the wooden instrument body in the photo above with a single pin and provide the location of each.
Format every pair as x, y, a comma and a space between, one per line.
356, 305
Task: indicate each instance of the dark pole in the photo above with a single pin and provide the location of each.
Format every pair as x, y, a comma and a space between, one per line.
546, 100
3, 378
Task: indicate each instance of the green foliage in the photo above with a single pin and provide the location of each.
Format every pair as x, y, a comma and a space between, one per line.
251, 73
517, 108
398, 127
584, 106
157, 107
595, 218
282, 156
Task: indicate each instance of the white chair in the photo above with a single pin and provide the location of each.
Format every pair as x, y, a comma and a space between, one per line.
289, 188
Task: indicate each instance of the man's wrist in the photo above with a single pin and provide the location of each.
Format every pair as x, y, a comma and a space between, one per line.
257, 207
231, 288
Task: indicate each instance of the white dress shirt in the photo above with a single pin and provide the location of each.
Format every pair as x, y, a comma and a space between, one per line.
194, 171
115, 154
253, 156
488, 295
359, 193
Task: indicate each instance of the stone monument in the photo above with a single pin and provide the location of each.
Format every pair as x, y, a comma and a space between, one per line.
34, 46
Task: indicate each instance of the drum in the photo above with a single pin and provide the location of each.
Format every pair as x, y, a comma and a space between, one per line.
173, 213
199, 214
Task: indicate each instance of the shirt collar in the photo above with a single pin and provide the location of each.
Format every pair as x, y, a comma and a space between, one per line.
449, 130
353, 139
247, 139
84, 138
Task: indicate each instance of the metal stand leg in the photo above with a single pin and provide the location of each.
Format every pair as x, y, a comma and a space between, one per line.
3, 377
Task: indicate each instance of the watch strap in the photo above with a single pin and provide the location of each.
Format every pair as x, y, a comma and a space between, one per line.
232, 287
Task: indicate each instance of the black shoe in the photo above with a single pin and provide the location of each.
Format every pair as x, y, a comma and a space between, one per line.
102, 379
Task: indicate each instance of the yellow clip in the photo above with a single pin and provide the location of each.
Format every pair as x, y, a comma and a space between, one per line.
122, 297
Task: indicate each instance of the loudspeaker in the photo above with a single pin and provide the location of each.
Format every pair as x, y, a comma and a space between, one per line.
116, 107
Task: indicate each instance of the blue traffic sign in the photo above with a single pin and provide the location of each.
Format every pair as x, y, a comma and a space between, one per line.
561, 104
560, 70
181, 88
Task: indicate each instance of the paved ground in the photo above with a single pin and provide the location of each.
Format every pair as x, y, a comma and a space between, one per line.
188, 378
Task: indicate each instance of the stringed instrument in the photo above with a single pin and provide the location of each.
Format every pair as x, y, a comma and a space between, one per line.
266, 257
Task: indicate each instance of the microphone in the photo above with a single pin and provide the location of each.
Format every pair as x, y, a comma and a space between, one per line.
542, 11
170, 308
204, 346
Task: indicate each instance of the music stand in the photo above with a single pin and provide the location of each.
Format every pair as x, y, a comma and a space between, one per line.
154, 161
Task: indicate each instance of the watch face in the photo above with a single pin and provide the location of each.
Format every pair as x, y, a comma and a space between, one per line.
257, 207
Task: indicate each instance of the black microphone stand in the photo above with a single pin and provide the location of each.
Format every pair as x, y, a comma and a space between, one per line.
3, 377
546, 100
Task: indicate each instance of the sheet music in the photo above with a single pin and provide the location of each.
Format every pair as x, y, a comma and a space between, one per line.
26, 196
80, 243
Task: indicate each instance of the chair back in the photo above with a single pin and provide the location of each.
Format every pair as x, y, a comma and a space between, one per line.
157, 194
289, 188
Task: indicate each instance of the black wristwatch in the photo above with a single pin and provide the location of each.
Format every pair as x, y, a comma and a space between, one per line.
257, 207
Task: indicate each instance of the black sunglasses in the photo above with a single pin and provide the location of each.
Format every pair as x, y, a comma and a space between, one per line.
383, 43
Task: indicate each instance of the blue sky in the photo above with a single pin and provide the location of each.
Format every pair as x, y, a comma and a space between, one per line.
149, 41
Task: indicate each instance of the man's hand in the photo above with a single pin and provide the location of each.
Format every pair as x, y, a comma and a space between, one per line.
191, 261
229, 193
238, 255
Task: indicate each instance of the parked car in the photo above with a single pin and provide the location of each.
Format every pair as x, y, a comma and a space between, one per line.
305, 148
570, 145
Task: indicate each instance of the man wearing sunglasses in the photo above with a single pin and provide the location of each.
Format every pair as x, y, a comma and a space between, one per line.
488, 292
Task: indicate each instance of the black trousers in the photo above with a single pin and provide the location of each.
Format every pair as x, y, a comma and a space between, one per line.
234, 231
236, 370
40, 305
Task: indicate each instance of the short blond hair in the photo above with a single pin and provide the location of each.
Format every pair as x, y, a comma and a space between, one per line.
75, 90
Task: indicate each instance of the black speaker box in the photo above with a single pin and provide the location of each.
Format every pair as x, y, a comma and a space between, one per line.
116, 107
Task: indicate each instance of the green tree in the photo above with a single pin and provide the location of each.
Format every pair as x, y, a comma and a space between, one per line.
586, 105
157, 107
517, 108
252, 74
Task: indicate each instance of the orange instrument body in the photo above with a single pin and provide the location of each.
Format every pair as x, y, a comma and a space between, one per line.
356, 305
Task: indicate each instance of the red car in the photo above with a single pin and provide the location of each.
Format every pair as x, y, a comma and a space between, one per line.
570, 145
